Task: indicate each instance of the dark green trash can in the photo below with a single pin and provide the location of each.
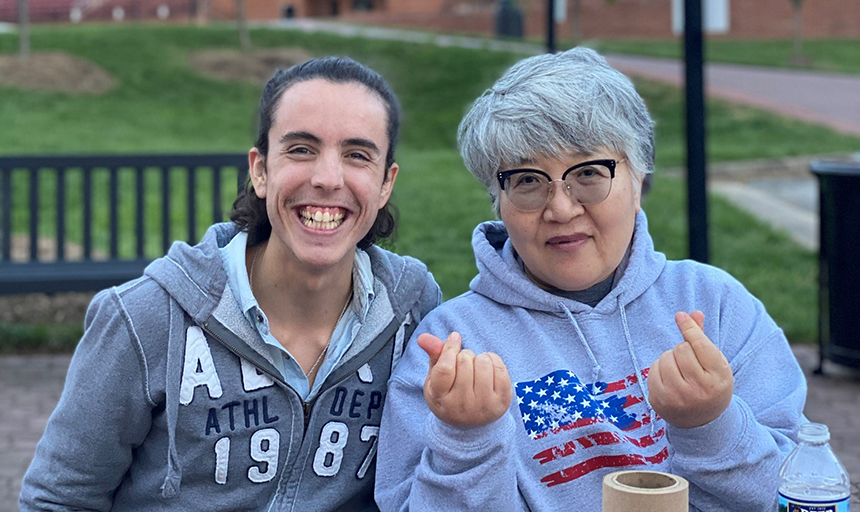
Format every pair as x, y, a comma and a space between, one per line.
839, 261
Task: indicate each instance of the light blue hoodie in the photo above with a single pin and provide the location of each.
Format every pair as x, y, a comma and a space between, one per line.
580, 408
173, 403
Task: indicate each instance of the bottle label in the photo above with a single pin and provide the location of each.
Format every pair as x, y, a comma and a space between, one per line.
788, 504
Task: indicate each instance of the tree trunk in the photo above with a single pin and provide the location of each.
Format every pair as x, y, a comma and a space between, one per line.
576, 20
24, 28
202, 12
242, 23
798, 29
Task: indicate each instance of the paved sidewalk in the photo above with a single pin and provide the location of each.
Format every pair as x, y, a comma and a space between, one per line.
31, 386
832, 400
781, 192
829, 99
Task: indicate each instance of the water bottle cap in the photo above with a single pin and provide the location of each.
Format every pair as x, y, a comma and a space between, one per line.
814, 433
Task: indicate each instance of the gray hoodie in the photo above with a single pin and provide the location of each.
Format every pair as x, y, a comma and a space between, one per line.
172, 403
580, 407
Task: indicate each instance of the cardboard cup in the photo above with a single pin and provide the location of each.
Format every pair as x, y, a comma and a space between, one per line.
645, 491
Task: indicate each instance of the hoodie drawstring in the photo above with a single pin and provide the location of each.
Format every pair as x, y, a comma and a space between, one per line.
170, 487
595, 366
639, 376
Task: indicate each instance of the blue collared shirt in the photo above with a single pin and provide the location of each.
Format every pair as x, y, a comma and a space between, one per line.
233, 257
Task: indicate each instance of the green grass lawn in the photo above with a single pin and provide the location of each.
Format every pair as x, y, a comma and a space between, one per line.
832, 55
161, 105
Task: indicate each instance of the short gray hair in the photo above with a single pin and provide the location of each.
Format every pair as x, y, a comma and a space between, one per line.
551, 105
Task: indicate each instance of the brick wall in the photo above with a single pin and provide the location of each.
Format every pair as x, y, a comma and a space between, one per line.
620, 19
268, 9
416, 7
773, 18
624, 19
599, 19
480, 21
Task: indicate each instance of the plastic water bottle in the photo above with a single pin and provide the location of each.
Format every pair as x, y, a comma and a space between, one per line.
812, 479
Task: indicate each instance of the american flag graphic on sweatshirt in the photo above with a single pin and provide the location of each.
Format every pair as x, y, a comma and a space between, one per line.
559, 404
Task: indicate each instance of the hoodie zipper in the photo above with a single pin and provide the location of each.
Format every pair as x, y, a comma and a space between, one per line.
307, 407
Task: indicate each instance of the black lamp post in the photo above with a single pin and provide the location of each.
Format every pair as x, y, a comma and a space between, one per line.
550, 26
697, 200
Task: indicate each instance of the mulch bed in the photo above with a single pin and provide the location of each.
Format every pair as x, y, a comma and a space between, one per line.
55, 72
256, 66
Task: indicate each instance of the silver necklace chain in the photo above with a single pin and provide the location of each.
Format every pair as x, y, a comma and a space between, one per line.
339, 318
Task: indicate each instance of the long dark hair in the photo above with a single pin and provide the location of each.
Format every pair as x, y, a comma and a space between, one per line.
249, 211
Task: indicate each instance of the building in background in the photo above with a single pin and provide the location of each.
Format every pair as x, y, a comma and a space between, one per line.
577, 19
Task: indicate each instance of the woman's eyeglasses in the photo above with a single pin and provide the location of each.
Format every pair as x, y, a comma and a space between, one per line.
586, 183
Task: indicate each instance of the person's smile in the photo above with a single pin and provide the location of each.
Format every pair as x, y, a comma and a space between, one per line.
322, 218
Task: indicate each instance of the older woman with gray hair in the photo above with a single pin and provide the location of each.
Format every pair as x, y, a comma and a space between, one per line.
595, 353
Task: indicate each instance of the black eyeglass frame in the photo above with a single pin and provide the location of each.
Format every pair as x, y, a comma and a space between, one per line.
609, 163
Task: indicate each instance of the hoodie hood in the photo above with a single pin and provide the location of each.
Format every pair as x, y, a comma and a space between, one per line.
193, 275
502, 279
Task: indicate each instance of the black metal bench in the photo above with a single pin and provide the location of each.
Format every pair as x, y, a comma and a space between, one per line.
64, 206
